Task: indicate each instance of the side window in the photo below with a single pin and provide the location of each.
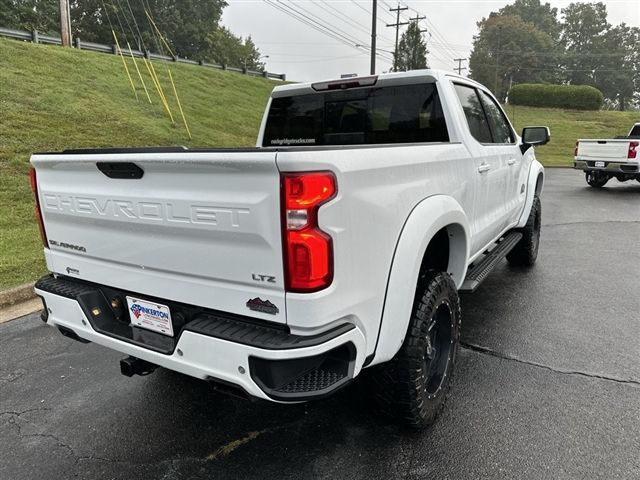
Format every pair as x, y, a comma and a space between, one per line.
497, 121
474, 112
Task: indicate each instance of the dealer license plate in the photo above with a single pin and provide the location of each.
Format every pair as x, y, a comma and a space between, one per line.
150, 315
599, 164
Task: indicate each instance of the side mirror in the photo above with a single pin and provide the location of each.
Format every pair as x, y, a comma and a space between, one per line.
536, 135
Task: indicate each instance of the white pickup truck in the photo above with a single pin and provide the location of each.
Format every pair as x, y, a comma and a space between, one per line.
601, 160
280, 272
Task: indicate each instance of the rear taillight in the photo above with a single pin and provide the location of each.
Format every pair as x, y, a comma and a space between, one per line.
575, 152
34, 187
633, 150
308, 251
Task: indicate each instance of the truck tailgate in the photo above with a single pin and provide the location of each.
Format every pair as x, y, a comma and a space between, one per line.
603, 149
201, 228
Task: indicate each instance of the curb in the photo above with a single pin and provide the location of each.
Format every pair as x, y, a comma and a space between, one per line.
17, 295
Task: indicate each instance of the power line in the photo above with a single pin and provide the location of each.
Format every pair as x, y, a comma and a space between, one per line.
435, 30
318, 26
319, 20
387, 12
346, 38
440, 38
315, 61
361, 7
340, 15
440, 58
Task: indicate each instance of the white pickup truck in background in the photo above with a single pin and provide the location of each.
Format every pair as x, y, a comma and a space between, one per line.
604, 159
339, 243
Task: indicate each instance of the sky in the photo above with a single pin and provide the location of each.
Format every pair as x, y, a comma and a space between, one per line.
305, 54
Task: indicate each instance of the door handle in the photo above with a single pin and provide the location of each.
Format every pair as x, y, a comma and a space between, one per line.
511, 161
484, 167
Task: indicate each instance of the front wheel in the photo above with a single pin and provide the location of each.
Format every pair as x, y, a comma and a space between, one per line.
413, 386
596, 179
525, 253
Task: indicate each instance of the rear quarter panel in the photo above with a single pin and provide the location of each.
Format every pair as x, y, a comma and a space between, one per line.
378, 187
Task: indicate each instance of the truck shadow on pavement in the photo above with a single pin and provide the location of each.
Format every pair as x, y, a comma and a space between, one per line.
209, 431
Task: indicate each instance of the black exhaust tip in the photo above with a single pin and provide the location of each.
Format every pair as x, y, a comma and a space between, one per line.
228, 388
131, 366
67, 332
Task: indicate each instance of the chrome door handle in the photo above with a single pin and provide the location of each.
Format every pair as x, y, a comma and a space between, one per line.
484, 167
511, 161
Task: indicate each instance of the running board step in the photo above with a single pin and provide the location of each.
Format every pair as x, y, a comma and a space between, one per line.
482, 269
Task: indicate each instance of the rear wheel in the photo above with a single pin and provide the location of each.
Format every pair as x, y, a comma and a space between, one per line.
414, 385
596, 179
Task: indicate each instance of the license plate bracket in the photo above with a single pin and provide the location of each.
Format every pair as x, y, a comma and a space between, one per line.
150, 315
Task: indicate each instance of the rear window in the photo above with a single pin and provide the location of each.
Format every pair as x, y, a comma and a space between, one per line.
402, 114
635, 131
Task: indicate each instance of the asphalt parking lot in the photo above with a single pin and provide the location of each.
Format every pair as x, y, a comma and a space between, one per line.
547, 384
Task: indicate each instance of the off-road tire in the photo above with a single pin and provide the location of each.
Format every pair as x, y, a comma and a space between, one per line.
404, 387
596, 179
525, 253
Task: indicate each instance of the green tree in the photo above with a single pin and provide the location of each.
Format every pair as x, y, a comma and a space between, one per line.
542, 16
509, 50
40, 15
583, 34
89, 21
184, 24
412, 50
226, 48
618, 72
191, 28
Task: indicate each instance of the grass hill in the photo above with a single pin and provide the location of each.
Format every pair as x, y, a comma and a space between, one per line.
53, 98
569, 125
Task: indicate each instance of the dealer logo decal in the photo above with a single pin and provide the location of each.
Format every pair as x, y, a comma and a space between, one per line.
138, 310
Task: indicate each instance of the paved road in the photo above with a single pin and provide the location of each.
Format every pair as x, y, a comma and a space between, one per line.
547, 386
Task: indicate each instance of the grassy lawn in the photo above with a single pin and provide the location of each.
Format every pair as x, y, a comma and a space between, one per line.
53, 98
569, 125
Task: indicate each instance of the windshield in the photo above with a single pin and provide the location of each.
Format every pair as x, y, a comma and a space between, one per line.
400, 114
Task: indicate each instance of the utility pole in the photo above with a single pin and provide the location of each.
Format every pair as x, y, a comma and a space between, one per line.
460, 68
495, 85
65, 23
374, 18
397, 25
416, 19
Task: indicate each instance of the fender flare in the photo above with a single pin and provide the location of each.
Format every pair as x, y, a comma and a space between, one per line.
535, 183
426, 219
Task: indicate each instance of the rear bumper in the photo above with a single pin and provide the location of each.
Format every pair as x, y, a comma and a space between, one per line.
267, 363
609, 167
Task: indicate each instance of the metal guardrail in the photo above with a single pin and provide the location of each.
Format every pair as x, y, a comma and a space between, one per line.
37, 37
